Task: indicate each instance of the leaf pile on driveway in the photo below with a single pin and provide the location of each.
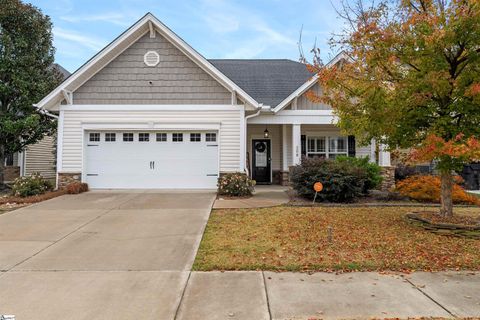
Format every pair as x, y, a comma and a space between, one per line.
363, 239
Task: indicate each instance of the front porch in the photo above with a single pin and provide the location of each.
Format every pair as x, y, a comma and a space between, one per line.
271, 148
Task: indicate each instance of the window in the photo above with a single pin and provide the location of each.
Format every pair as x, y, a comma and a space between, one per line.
211, 137
128, 137
144, 137
337, 146
9, 159
326, 147
110, 137
195, 137
316, 147
177, 137
94, 137
161, 137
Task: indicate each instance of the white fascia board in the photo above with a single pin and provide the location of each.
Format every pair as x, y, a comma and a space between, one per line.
294, 119
143, 107
172, 37
77, 74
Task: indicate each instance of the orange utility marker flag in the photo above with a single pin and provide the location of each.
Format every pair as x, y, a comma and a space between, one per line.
318, 186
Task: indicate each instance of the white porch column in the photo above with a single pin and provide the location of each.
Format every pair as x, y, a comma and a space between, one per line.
383, 156
296, 144
373, 151
284, 148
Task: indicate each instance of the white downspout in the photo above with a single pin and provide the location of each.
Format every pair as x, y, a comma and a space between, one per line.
245, 135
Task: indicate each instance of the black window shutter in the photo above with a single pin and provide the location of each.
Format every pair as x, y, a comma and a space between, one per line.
303, 143
351, 146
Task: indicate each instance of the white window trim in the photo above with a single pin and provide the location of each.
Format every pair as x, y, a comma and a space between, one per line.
327, 152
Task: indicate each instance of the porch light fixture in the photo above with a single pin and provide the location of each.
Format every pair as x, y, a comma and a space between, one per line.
266, 134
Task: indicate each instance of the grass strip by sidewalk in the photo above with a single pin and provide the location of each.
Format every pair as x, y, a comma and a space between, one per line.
296, 239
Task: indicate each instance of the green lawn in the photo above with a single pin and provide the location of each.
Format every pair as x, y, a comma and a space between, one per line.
295, 239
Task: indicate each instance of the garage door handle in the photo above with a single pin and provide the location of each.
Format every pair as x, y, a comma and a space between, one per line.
153, 164
150, 164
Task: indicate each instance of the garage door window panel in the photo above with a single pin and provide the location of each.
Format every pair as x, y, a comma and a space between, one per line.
195, 137
161, 137
94, 137
211, 137
128, 137
177, 137
143, 137
110, 137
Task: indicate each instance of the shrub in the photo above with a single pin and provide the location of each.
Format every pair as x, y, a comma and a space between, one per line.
236, 184
403, 171
426, 188
373, 170
342, 181
77, 187
31, 185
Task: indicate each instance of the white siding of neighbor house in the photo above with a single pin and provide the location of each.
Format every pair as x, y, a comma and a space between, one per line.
229, 136
174, 80
39, 158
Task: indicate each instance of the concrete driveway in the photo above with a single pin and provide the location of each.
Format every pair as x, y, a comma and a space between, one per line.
100, 255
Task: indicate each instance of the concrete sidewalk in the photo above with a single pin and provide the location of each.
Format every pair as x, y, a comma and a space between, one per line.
362, 295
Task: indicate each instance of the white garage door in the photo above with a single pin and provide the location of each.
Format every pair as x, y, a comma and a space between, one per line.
156, 160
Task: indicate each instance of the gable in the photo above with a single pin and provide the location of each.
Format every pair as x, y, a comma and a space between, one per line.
303, 103
105, 92
176, 79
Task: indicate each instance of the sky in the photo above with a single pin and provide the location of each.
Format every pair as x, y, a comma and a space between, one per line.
221, 29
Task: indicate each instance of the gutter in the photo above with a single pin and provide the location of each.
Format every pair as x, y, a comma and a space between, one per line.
45, 112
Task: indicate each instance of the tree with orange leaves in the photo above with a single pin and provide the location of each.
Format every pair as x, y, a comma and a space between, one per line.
413, 80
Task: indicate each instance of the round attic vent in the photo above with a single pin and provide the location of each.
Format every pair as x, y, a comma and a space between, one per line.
151, 58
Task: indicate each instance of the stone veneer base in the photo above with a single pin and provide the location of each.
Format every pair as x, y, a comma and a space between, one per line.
65, 178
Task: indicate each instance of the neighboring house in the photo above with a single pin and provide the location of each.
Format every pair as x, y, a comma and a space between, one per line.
39, 157
148, 111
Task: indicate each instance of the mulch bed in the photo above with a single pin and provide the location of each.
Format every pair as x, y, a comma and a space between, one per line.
8, 202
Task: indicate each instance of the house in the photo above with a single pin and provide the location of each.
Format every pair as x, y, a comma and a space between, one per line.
38, 157
148, 111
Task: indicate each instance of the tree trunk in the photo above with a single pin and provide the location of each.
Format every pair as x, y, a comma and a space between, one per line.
446, 200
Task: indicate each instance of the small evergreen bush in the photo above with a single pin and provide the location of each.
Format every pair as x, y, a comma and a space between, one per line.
235, 184
31, 185
373, 170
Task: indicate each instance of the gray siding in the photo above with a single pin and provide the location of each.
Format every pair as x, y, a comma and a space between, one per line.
303, 103
175, 80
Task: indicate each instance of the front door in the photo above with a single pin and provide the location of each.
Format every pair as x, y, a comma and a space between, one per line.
261, 161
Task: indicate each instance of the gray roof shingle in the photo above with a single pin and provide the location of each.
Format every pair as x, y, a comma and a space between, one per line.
269, 81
